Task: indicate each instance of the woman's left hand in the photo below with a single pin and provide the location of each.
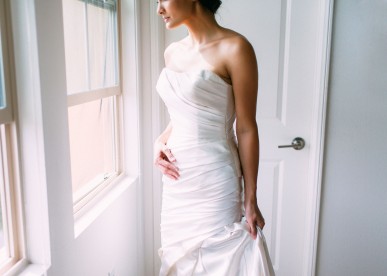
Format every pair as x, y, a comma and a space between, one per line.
254, 217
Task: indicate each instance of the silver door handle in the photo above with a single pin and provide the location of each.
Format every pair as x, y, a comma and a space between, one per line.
298, 144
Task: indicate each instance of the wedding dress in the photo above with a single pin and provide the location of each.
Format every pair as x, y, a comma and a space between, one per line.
202, 231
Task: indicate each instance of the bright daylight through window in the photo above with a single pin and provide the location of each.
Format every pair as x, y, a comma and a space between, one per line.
93, 88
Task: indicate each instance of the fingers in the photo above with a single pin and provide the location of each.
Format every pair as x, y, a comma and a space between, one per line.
164, 160
261, 224
169, 154
253, 230
253, 224
167, 168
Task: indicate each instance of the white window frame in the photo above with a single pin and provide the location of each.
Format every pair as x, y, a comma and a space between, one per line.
33, 83
10, 199
128, 107
94, 188
10, 191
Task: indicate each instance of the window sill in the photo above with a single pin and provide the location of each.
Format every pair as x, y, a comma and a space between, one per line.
90, 212
23, 268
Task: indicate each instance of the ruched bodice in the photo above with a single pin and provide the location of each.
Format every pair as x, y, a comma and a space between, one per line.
201, 228
200, 103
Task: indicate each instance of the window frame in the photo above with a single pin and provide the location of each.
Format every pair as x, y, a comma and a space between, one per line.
94, 190
9, 153
38, 110
10, 198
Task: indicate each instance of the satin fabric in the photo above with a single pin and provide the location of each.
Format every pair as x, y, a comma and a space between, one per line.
202, 230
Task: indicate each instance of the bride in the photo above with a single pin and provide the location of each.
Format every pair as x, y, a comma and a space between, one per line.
209, 82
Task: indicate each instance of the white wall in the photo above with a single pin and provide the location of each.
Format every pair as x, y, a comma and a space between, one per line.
353, 222
113, 241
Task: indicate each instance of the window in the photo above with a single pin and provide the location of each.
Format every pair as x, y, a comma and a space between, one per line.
10, 226
93, 89
5, 98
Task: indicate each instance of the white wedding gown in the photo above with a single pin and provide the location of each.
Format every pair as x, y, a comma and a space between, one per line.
202, 231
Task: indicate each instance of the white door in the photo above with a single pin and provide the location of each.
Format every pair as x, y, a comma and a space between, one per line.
285, 37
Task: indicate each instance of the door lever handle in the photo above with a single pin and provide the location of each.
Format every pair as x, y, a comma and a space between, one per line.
298, 144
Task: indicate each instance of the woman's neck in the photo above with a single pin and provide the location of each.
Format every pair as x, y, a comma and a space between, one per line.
202, 27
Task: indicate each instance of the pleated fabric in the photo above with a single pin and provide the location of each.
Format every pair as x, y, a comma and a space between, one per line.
202, 230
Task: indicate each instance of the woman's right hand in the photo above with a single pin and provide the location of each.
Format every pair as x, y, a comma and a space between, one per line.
164, 159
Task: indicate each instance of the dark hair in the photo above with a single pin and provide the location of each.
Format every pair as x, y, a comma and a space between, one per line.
211, 5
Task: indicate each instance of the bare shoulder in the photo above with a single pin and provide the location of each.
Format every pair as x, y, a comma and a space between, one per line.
239, 56
172, 49
168, 53
236, 45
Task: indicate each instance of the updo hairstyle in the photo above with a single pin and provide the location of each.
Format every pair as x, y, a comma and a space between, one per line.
211, 5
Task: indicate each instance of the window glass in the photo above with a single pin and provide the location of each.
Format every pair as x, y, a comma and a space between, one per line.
92, 143
74, 17
102, 47
91, 44
2, 88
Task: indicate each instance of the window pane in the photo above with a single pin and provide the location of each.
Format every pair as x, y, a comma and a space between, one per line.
2, 88
91, 44
74, 13
92, 143
102, 47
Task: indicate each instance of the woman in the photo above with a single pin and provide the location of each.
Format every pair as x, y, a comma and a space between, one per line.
210, 79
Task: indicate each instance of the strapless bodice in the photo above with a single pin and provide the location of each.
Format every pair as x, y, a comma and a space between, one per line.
200, 103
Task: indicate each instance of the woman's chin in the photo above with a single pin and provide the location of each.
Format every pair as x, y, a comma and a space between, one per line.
170, 25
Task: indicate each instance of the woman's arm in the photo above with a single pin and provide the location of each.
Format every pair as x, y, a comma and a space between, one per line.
243, 70
163, 157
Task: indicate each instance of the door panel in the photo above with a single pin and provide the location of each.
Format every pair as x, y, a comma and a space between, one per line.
283, 34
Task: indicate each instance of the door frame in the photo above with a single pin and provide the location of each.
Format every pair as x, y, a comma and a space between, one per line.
316, 155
